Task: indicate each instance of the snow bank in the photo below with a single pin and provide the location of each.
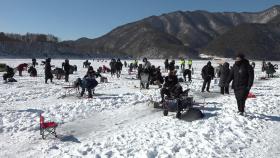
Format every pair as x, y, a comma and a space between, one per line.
120, 121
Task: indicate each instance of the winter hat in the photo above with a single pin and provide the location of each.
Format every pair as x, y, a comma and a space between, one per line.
240, 55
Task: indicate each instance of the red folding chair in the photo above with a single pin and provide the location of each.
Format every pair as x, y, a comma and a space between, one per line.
251, 95
48, 127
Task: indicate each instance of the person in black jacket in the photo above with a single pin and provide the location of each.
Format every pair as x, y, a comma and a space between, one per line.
119, 66
48, 70
125, 64
242, 75
270, 70
10, 73
187, 72
66, 66
172, 65
34, 62
207, 75
166, 65
32, 71
156, 76
224, 73
171, 86
86, 64
113, 67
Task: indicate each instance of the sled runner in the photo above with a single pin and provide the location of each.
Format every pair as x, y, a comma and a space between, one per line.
48, 127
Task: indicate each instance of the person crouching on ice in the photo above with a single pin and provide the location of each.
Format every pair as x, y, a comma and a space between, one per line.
9, 74
89, 82
171, 86
32, 71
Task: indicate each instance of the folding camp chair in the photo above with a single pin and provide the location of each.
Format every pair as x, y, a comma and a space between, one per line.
251, 95
48, 127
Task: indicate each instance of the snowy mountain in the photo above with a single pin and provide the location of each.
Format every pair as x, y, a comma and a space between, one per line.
168, 35
257, 41
194, 29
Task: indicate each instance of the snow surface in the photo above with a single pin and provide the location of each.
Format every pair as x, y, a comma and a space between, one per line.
121, 122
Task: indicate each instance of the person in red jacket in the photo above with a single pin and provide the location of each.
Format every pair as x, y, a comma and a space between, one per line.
21, 67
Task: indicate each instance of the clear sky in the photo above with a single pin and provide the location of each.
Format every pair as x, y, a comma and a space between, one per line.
72, 19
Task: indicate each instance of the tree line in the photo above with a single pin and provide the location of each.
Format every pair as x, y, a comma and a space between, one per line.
28, 37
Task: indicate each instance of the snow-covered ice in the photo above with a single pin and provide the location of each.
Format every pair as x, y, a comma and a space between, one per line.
120, 122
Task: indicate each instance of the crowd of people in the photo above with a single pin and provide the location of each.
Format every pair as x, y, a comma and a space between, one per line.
241, 74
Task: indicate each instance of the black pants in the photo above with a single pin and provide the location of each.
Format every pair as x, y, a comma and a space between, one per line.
206, 82
183, 67
241, 96
224, 90
113, 72
89, 92
48, 76
66, 77
166, 68
20, 73
118, 73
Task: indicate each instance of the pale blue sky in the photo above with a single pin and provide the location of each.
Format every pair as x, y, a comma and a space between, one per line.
72, 19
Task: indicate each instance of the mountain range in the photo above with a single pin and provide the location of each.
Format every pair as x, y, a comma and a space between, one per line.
172, 35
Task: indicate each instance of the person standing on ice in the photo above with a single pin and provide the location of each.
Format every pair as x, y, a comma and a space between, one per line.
270, 70
113, 67
125, 64
187, 72
34, 62
147, 64
10, 74
66, 66
145, 73
172, 65
119, 66
207, 75
242, 75
182, 63
166, 65
264, 65
48, 71
224, 73
190, 63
